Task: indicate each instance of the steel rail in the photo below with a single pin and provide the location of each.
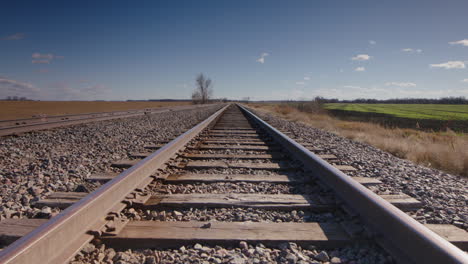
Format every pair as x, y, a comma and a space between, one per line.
60, 238
402, 236
59, 121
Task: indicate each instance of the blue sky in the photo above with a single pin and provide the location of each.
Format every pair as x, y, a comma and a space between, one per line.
118, 50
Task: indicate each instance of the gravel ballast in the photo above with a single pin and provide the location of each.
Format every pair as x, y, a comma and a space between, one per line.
36, 164
234, 215
243, 253
445, 196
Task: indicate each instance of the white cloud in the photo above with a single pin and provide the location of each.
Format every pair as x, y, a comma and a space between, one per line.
449, 65
40, 61
300, 83
37, 55
16, 36
410, 50
17, 84
463, 42
465, 80
262, 57
462, 91
9, 87
360, 69
363, 89
361, 57
38, 58
43, 70
352, 87
400, 84
372, 42
307, 78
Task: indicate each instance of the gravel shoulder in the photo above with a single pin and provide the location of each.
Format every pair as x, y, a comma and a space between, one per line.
445, 196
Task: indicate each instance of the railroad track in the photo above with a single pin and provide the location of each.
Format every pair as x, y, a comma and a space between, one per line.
231, 160
11, 127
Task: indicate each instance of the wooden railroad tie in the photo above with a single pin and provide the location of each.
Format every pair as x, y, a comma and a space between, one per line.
155, 146
211, 178
238, 143
241, 147
263, 201
248, 165
234, 131
249, 147
147, 234
221, 135
101, 177
237, 165
137, 234
230, 139
233, 127
272, 155
63, 200
125, 163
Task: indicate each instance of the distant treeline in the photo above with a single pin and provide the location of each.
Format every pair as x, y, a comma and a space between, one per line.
443, 100
15, 98
159, 100
178, 100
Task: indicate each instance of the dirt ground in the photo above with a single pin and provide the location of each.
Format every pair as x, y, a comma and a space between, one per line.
26, 109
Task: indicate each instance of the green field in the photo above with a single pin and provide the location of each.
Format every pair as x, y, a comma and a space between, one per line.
413, 111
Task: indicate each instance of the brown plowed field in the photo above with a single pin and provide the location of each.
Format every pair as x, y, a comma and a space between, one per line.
27, 109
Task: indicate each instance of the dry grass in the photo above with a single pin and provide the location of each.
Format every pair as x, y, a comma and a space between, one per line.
27, 109
446, 151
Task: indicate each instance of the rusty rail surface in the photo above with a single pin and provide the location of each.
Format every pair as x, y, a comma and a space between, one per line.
405, 238
60, 238
9, 127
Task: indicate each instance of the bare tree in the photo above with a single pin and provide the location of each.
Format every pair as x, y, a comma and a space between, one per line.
203, 90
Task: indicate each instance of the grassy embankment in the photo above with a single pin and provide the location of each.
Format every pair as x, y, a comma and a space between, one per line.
447, 151
26, 109
436, 117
